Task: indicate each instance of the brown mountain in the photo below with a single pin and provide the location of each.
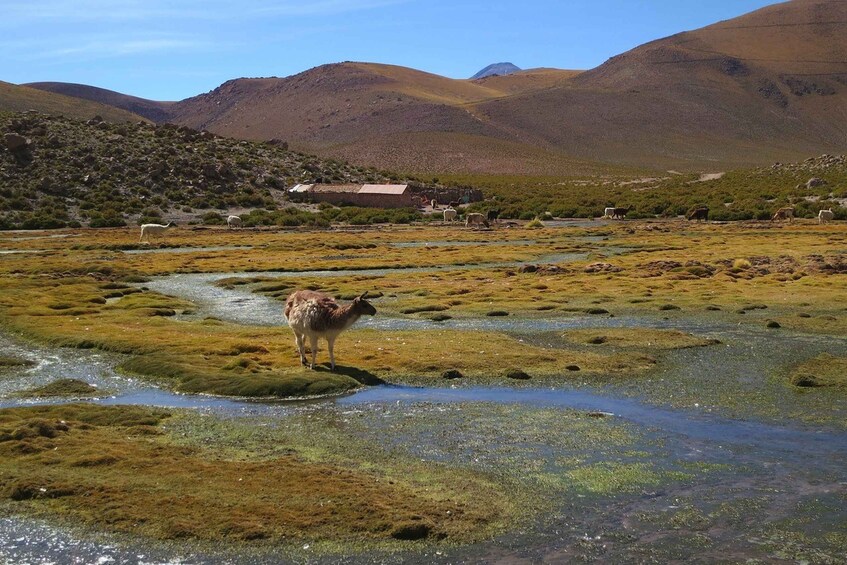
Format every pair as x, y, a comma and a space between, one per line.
770, 85
150, 109
389, 116
14, 98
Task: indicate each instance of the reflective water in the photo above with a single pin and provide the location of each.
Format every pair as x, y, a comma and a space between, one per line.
775, 488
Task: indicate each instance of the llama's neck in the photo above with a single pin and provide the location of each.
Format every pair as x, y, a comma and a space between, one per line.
343, 317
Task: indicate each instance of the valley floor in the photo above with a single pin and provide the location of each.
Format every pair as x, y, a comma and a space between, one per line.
622, 391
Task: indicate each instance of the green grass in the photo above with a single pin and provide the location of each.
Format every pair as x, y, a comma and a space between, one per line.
63, 388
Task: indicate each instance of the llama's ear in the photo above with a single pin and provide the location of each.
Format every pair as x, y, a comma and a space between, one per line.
363, 295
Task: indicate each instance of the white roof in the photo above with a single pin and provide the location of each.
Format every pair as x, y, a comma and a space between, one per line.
383, 189
301, 188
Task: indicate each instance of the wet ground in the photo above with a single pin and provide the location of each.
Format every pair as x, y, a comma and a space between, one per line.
709, 458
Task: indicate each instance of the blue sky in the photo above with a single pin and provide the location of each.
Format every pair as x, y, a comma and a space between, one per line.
169, 50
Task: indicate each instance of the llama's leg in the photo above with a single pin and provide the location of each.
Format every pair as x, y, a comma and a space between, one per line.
331, 342
313, 343
298, 339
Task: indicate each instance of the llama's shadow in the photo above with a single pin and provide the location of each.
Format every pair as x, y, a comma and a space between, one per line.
359, 375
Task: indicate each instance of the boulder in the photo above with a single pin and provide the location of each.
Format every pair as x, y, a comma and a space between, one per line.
15, 142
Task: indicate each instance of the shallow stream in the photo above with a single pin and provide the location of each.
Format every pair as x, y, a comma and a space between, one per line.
720, 479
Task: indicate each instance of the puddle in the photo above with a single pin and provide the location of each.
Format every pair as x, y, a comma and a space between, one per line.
16, 251
93, 367
576, 223
34, 237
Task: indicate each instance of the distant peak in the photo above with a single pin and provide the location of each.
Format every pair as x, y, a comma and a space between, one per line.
496, 69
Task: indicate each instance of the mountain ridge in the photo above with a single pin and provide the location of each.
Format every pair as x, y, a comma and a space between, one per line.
767, 86
499, 69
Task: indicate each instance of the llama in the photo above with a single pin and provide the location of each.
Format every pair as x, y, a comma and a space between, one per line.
315, 314
233, 222
826, 216
475, 219
786, 213
154, 229
700, 213
620, 213
608, 213
450, 215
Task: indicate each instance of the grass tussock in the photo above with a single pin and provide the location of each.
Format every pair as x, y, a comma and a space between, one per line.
113, 468
823, 371
72, 388
7, 361
642, 338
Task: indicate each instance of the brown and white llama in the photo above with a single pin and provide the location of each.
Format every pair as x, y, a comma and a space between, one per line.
317, 315
786, 213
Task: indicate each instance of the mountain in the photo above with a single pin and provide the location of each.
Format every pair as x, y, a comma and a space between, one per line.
768, 86
499, 69
389, 116
14, 98
150, 109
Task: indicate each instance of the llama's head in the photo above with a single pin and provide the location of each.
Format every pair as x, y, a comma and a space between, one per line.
362, 306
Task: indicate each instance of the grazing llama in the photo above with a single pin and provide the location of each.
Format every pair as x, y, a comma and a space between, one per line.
154, 229
786, 213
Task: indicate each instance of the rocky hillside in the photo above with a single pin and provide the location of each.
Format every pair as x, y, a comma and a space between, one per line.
150, 109
14, 98
57, 171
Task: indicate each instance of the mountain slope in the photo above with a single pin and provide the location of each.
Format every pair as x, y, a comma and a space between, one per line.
361, 111
769, 85
497, 69
150, 109
14, 98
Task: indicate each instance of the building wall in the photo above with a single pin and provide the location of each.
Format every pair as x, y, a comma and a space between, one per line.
365, 200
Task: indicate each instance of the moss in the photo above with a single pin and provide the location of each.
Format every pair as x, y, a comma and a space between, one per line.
64, 387
823, 371
644, 338
115, 468
7, 361
198, 377
517, 374
609, 478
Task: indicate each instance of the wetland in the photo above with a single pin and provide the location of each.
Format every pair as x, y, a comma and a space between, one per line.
619, 392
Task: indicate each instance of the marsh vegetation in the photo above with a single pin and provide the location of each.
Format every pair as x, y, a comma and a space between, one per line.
623, 355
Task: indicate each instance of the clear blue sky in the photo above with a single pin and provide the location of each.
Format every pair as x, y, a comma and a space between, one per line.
173, 49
